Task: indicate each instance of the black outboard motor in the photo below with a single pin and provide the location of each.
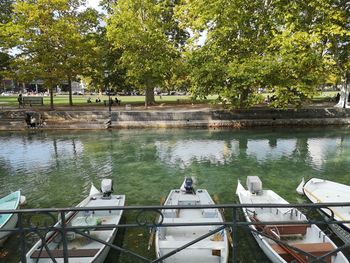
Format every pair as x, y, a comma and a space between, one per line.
106, 188
189, 185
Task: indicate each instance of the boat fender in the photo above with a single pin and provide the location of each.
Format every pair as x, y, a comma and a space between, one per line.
22, 200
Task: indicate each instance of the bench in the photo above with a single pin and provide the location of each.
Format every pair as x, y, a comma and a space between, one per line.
58, 253
315, 249
32, 101
292, 229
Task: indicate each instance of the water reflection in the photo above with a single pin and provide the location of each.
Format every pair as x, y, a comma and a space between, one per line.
29, 154
320, 149
274, 148
184, 152
25, 154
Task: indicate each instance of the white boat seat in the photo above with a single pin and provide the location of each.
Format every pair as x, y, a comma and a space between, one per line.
191, 220
58, 253
315, 249
205, 244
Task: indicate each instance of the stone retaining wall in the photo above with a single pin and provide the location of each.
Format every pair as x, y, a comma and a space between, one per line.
14, 120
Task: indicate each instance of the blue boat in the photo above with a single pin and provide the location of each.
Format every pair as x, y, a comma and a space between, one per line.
8, 221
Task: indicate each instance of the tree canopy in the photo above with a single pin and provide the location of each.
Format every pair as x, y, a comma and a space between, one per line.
51, 38
233, 49
148, 38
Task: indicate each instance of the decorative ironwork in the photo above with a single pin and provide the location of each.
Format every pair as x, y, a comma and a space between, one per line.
41, 224
149, 217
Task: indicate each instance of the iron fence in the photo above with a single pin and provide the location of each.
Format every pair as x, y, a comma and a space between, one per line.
38, 224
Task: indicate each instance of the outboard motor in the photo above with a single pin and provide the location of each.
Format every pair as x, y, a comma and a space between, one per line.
189, 185
106, 188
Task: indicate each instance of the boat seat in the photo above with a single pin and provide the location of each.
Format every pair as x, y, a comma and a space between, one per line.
206, 244
315, 249
292, 229
209, 213
191, 220
72, 253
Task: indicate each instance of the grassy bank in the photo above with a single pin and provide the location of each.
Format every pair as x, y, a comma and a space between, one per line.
81, 100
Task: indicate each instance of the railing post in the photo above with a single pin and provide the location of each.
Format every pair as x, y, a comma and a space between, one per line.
22, 238
234, 234
64, 240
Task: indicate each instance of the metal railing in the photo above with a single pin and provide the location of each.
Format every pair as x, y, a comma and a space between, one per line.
37, 224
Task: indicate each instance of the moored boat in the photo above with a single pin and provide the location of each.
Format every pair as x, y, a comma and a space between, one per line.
292, 237
213, 248
81, 248
325, 191
8, 221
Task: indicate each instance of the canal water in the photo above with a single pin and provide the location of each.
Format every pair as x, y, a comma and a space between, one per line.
56, 169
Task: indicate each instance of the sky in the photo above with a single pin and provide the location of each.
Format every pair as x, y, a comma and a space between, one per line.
93, 3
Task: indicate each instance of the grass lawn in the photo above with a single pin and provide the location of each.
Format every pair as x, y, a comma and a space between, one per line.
81, 100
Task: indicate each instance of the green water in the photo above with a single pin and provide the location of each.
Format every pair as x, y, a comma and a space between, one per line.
55, 169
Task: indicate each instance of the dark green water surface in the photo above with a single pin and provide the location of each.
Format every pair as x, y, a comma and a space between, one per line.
55, 169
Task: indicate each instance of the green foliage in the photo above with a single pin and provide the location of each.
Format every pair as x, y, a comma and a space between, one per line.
146, 34
52, 39
276, 45
4, 64
289, 48
6, 10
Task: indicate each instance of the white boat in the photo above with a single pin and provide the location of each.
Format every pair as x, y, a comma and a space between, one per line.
9, 221
324, 191
305, 237
213, 248
82, 249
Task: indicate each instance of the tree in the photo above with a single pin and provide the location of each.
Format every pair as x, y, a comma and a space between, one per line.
335, 33
6, 10
4, 64
252, 45
142, 31
5, 16
51, 38
104, 58
238, 33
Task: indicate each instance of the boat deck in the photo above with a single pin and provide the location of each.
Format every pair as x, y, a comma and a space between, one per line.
211, 249
324, 191
81, 248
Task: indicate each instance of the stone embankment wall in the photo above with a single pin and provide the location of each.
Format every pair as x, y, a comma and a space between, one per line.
15, 120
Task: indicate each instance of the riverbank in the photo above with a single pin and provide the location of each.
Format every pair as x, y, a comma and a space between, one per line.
201, 116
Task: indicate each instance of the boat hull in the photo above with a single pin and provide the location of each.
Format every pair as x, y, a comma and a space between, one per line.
11, 224
324, 191
168, 239
8, 221
82, 249
304, 237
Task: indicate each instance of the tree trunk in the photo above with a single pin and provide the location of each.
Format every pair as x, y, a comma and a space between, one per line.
347, 87
70, 90
51, 97
243, 98
149, 99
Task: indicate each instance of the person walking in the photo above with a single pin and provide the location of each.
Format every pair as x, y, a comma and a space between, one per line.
20, 100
